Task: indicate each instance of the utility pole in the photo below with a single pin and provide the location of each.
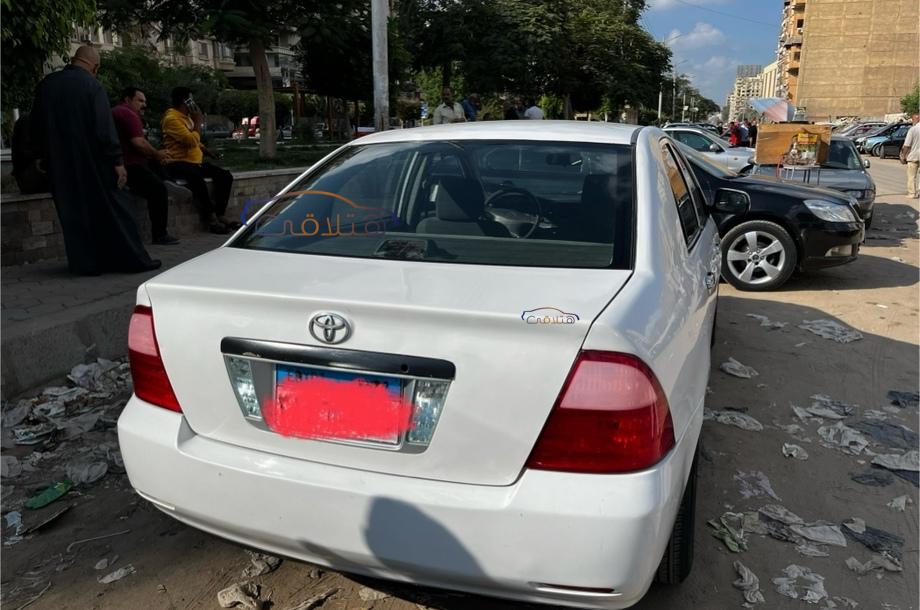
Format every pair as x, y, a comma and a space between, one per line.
660, 96
380, 12
674, 97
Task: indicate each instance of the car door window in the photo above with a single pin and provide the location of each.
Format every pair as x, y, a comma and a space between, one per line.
696, 193
686, 209
693, 140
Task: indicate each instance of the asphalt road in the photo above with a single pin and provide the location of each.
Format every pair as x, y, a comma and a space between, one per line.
178, 567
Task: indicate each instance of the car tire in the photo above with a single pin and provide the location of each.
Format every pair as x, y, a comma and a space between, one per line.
677, 561
877, 151
771, 263
868, 221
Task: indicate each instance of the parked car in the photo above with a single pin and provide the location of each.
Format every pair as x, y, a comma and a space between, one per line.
860, 129
217, 131
876, 145
514, 331
891, 148
865, 143
844, 170
704, 142
771, 228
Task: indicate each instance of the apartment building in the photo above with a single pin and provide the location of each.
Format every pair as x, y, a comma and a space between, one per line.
769, 77
748, 84
842, 58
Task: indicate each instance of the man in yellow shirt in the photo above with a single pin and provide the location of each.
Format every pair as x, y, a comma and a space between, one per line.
181, 127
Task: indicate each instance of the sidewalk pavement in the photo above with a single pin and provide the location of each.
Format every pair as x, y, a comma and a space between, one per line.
52, 320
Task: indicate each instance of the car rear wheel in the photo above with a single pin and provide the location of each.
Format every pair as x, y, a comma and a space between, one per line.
678, 556
758, 255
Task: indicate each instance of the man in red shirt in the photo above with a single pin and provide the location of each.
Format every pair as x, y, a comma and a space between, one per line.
138, 153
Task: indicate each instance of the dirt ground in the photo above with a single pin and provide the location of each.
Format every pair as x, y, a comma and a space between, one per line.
178, 567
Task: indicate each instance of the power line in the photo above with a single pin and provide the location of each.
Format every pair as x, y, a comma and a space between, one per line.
709, 10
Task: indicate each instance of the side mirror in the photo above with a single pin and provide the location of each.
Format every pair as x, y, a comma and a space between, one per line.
715, 148
731, 201
867, 163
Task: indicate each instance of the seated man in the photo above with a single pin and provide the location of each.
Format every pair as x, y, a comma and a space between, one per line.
137, 153
181, 127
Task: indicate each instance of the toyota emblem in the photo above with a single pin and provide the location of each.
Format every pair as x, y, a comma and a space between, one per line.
329, 328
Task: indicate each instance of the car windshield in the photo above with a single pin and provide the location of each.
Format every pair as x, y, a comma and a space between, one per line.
842, 155
706, 164
524, 203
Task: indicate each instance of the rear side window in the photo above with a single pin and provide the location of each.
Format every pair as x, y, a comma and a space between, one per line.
685, 206
693, 140
523, 203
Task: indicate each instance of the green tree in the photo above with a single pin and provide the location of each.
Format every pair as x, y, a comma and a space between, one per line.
33, 32
910, 103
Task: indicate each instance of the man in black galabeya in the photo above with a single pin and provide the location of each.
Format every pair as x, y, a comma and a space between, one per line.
77, 145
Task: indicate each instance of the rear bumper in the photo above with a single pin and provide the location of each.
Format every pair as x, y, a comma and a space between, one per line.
597, 531
819, 242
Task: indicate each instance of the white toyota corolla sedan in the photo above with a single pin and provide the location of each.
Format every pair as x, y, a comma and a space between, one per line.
467, 356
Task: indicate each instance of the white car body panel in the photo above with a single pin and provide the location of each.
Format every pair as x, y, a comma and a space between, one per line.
733, 158
464, 514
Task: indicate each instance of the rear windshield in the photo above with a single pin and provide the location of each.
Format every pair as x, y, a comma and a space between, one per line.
842, 155
541, 204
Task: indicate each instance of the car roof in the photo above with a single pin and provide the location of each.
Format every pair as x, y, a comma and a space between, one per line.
693, 129
559, 131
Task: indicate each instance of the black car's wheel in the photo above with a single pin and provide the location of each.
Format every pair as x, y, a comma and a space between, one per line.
877, 151
868, 221
758, 255
678, 556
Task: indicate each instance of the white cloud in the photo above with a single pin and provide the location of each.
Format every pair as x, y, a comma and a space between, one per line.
714, 77
702, 35
660, 5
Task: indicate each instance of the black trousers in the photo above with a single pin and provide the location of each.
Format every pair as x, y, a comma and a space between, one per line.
194, 176
144, 182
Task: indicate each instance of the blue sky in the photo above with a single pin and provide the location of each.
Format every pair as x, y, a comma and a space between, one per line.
713, 37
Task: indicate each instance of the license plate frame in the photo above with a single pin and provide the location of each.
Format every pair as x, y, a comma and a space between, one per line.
396, 385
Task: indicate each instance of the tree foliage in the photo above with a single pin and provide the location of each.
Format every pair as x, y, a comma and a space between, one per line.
910, 103
33, 32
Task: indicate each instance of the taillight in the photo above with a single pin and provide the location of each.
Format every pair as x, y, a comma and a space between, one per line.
611, 416
150, 380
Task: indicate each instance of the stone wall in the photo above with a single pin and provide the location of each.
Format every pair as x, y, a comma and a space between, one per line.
31, 232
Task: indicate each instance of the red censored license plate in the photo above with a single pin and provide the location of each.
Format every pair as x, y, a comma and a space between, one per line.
337, 405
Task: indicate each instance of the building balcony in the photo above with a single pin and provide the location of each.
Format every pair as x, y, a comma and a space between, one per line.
791, 41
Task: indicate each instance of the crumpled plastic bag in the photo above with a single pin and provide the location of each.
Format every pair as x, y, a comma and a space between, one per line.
829, 329
904, 399
825, 406
735, 368
260, 564
755, 484
16, 415
883, 562
766, 322
117, 574
781, 514
801, 582
844, 438
825, 534
888, 434
875, 478
873, 538
733, 418
10, 466
246, 595
86, 472
730, 530
794, 451
894, 461
748, 583
900, 503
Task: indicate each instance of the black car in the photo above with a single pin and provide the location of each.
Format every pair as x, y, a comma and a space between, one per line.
771, 228
892, 146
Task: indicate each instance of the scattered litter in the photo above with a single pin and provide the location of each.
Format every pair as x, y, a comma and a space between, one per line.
825, 534
161, 588
32, 435
50, 518
316, 600
893, 461
844, 438
829, 329
261, 564
76, 542
733, 418
766, 322
898, 259
730, 530
875, 478
102, 564
800, 581
748, 583
17, 414
755, 484
875, 414
95, 376
781, 514
824, 406
883, 562
10, 467
845, 602
802, 344
872, 538
899, 398
52, 408
890, 435
911, 476
86, 472
81, 424
810, 550
117, 574
881, 306
791, 429
794, 451
370, 595
14, 519
733, 367
751, 523
315, 573
246, 595
900, 503
49, 495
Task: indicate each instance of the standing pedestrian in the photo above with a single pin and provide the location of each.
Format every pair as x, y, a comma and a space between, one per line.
744, 138
448, 111
471, 106
910, 155
181, 127
138, 154
752, 133
534, 112
77, 144
734, 134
